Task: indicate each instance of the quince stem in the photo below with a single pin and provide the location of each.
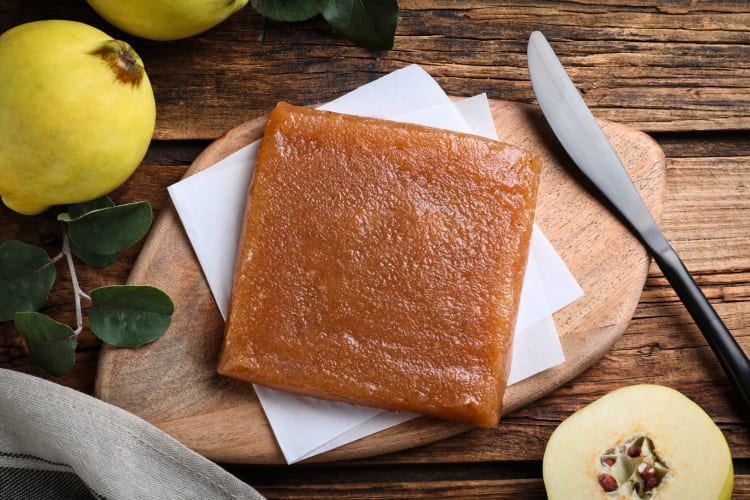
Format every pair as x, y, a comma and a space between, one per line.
77, 292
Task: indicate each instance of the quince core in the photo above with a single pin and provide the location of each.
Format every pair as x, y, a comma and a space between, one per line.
639, 442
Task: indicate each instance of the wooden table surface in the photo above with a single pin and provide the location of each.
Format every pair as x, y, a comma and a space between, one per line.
679, 70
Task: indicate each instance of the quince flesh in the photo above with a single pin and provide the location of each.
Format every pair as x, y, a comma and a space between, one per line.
638, 442
166, 19
77, 114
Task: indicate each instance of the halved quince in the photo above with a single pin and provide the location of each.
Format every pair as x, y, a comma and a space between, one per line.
639, 442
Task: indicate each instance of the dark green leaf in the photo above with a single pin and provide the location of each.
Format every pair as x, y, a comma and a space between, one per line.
26, 278
52, 345
107, 231
80, 209
91, 258
289, 10
370, 23
74, 213
129, 316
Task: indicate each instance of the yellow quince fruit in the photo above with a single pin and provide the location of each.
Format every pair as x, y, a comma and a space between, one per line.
77, 114
166, 19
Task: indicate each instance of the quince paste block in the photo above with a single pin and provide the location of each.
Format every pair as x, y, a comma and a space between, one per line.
381, 264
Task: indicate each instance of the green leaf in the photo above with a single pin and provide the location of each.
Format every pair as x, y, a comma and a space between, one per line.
91, 258
26, 278
107, 231
289, 10
129, 316
52, 345
370, 23
78, 210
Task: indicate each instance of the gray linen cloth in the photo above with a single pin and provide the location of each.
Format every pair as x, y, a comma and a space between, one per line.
58, 443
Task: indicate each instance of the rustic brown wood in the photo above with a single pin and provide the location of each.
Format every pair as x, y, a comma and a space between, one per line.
677, 68
528, 489
498, 489
223, 420
668, 65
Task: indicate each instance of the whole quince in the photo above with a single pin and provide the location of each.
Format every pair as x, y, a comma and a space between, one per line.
77, 114
166, 19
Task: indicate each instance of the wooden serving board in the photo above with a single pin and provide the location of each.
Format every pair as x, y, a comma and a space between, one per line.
172, 382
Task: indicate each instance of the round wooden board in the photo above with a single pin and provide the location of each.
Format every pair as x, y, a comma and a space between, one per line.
172, 382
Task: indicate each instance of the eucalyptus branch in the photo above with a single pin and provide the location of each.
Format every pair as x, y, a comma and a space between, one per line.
77, 292
54, 259
120, 315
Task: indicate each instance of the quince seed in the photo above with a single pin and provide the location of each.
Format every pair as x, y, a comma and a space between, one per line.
607, 482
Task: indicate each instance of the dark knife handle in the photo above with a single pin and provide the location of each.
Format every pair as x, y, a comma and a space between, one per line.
725, 347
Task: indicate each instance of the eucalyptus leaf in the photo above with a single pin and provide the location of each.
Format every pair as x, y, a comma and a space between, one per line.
289, 10
107, 231
78, 210
370, 23
26, 278
128, 315
91, 258
52, 345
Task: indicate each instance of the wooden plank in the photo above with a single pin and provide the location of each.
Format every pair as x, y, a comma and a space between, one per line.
715, 236
666, 67
653, 333
495, 489
669, 66
516, 489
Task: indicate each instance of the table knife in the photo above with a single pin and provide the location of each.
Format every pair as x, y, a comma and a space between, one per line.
586, 144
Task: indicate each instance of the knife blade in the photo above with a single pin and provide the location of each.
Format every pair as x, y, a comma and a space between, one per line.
583, 139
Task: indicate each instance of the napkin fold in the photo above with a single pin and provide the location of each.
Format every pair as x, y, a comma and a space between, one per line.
56, 442
219, 193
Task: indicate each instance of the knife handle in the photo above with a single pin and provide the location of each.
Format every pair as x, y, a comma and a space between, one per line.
725, 347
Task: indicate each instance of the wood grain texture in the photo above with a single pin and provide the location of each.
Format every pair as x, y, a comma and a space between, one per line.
489, 489
678, 69
223, 419
658, 65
